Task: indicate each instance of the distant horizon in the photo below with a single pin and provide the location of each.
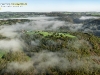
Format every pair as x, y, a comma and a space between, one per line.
53, 5
50, 11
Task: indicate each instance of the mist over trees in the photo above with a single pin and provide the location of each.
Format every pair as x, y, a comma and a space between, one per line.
49, 45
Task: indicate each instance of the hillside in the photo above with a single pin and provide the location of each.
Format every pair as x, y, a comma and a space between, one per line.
54, 45
57, 51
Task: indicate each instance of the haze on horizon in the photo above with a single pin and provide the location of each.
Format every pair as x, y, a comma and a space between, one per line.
54, 5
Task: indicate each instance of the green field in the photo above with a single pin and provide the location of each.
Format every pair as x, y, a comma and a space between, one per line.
44, 33
2, 53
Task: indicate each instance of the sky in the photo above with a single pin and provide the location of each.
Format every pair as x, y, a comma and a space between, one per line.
52, 5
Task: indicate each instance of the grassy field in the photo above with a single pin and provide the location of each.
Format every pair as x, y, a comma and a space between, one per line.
44, 33
2, 53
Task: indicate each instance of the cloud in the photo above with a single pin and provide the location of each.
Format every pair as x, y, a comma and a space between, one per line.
77, 44
12, 45
16, 66
88, 17
43, 60
35, 42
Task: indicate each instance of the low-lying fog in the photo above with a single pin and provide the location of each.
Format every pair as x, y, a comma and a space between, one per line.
52, 58
44, 23
88, 17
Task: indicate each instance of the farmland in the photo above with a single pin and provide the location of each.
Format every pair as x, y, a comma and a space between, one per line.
44, 33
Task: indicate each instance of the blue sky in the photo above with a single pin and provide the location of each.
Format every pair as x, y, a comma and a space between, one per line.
53, 5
